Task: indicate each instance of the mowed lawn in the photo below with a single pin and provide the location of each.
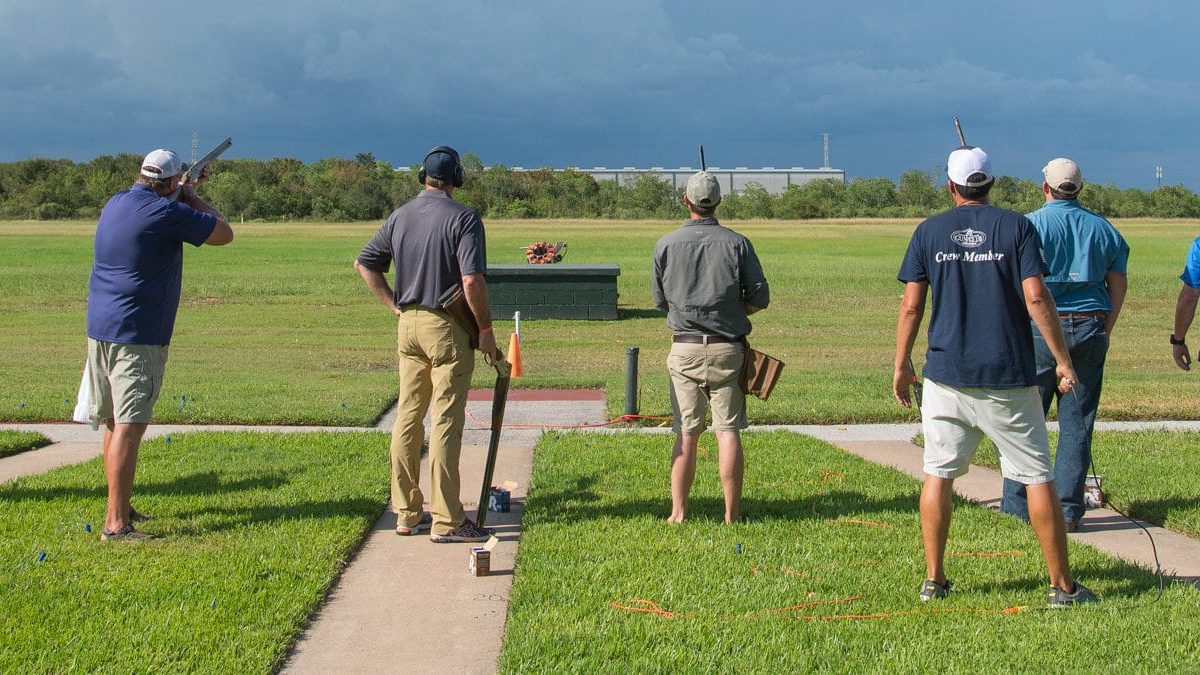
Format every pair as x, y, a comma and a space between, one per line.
1147, 474
255, 529
823, 576
16, 442
277, 328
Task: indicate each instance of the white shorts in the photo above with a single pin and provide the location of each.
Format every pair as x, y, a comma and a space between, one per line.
954, 421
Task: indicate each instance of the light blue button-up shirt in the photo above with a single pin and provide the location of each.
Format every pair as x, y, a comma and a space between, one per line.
1080, 247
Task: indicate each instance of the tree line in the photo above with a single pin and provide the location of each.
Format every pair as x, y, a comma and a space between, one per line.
365, 188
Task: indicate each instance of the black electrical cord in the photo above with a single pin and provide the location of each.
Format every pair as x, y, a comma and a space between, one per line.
1158, 571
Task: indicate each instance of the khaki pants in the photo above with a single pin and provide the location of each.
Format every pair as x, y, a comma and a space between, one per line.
436, 363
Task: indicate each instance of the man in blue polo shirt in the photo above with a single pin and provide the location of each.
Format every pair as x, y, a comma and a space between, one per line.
133, 295
983, 267
1185, 307
1086, 257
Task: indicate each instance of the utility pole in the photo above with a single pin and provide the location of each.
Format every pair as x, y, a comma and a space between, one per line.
1158, 175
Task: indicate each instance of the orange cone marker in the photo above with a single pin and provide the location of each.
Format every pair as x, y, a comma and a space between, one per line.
514, 348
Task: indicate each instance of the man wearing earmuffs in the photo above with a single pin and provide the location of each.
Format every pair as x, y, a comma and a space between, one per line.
436, 243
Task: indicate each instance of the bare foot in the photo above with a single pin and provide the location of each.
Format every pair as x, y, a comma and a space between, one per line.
673, 519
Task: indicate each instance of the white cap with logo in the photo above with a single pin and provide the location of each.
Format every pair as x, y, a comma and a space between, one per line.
969, 167
161, 164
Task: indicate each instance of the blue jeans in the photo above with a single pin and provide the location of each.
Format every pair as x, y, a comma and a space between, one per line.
1088, 346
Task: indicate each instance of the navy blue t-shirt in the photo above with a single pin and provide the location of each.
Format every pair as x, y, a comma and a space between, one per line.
133, 293
974, 258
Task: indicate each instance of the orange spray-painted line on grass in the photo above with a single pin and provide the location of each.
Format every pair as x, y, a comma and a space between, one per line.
889, 615
815, 603
856, 521
646, 607
650, 607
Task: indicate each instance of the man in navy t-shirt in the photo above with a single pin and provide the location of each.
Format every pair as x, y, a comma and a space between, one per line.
133, 295
983, 267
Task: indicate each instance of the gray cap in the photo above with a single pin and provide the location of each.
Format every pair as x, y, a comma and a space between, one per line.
703, 190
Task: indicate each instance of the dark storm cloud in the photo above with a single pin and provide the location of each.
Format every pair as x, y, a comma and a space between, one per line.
626, 82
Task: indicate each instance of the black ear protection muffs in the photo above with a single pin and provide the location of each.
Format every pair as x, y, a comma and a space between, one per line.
459, 177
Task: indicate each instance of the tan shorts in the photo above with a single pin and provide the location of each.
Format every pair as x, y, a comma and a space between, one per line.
954, 421
125, 381
704, 376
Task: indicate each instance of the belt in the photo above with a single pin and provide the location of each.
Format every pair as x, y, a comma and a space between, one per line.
694, 338
1083, 315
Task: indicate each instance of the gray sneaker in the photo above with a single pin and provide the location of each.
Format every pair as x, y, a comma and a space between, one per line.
422, 525
932, 590
468, 532
1059, 599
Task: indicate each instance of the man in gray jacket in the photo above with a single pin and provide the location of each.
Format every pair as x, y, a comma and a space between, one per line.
709, 280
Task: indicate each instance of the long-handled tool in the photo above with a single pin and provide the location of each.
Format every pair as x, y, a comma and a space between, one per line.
962, 140
499, 399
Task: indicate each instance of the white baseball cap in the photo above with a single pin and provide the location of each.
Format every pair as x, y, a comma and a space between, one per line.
1063, 175
967, 163
161, 164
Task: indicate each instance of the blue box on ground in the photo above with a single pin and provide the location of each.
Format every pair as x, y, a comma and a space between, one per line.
499, 500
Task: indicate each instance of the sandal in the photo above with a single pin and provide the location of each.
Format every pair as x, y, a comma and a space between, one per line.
127, 533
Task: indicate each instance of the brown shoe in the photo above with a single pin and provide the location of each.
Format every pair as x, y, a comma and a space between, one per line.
127, 533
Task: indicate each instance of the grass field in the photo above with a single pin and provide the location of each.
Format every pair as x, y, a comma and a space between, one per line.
1148, 474
257, 526
16, 442
277, 328
829, 538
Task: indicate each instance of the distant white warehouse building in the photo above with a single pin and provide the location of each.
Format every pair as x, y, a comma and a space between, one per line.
773, 180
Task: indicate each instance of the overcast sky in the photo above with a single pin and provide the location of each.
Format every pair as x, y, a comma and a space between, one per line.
1112, 84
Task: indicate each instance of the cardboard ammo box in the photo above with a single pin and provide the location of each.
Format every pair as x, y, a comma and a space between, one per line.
480, 562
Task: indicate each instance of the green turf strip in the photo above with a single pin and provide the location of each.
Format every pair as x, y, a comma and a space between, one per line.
595, 534
16, 442
1148, 474
278, 329
255, 528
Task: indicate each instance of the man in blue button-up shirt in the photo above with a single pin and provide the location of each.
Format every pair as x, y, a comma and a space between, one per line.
1086, 257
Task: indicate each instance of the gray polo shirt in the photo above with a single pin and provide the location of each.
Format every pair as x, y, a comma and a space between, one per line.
704, 276
434, 240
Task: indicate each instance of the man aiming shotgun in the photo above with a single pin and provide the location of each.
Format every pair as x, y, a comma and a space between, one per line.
437, 243
133, 296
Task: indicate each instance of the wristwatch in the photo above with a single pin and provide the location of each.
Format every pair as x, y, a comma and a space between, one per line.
1178, 342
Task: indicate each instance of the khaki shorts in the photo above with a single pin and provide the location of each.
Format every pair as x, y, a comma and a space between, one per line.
125, 381
954, 421
704, 376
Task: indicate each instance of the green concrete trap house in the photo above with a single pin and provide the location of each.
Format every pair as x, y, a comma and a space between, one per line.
554, 291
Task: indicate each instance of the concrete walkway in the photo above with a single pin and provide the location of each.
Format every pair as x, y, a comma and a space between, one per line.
405, 604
